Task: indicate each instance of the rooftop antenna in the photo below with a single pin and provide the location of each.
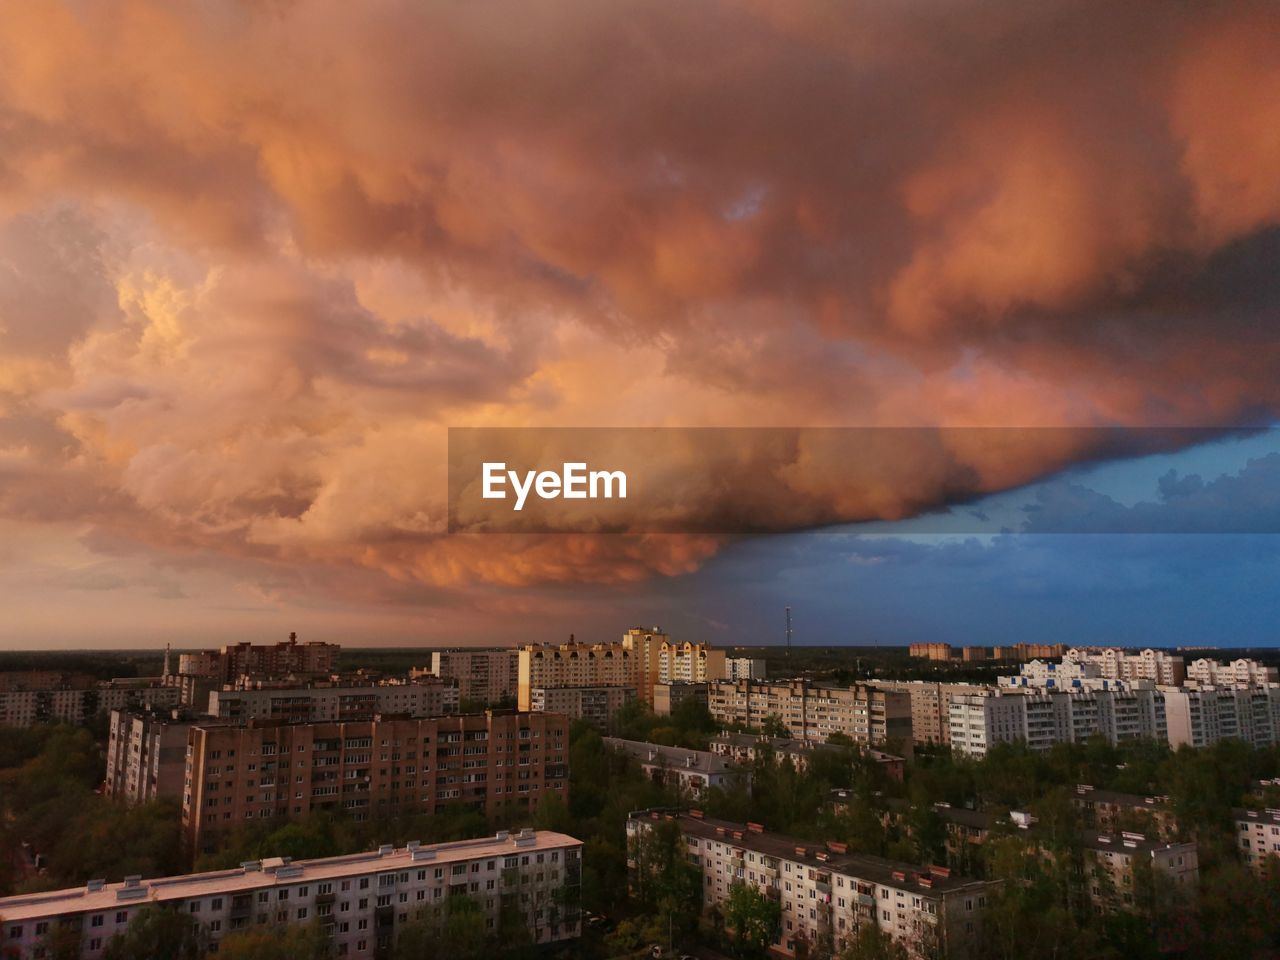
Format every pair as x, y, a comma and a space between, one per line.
788, 632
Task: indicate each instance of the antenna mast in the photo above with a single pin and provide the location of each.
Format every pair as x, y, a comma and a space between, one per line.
788, 632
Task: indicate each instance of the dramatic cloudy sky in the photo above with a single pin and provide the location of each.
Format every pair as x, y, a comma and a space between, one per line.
256, 258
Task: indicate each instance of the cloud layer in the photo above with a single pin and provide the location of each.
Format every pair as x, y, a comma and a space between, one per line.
255, 258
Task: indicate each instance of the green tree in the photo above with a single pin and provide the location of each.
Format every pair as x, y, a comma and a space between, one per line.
755, 919
872, 943
157, 932
309, 942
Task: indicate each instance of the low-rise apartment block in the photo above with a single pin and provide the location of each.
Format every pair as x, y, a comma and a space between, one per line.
482, 676
360, 901
814, 711
1111, 867
425, 697
827, 893
1258, 837
497, 762
693, 772
744, 748
1113, 812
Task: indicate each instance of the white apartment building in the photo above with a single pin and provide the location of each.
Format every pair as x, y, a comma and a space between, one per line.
813, 711
484, 676
146, 756
360, 900
25, 707
743, 668
692, 771
1240, 672
1257, 835
1112, 867
825, 892
1115, 663
422, 698
1201, 715
930, 705
1042, 716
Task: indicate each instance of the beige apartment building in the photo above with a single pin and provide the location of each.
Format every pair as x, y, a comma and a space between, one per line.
1258, 837
813, 711
930, 705
482, 676
146, 756
497, 762
574, 664
360, 901
827, 893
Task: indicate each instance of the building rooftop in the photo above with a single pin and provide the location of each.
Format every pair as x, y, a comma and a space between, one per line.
1092, 794
831, 856
795, 745
701, 760
1270, 815
1126, 843
272, 872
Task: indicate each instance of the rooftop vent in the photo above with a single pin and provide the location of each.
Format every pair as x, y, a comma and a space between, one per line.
95, 886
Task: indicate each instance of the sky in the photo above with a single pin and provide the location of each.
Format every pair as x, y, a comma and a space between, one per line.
257, 258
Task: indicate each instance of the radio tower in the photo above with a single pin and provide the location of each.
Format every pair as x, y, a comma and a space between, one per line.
788, 633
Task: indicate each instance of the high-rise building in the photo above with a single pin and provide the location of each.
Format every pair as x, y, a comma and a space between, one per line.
1115, 663
288, 658
1200, 715
930, 651
668, 696
360, 901
1240, 672
743, 668
146, 756
826, 893
596, 705
812, 711
496, 761
687, 663
485, 676
42, 696
575, 664
930, 705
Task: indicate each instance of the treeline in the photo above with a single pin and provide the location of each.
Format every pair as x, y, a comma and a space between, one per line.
101, 666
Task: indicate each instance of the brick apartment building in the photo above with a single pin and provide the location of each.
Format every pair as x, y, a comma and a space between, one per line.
497, 762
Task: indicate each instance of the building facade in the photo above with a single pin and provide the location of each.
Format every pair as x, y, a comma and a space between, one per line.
1200, 715
360, 901
744, 668
596, 705
668, 696
813, 711
146, 756
496, 762
482, 676
826, 893
31, 697
1242, 672
425, 697
1115, 663
574, 664
930, 705
744, 748
692, 772
1258, 837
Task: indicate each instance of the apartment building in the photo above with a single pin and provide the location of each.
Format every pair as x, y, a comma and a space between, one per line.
1023, 652
31, 697
146, 756
930, 705
284, 659
424, 697
644, 658
482, 676
596, 705
1115, 663
498, 761
930, 651
693, 772
1258, 837
814, 711
1041, 717
744, 748
361, 901
743, 668
1111, 811
668, 696
575, 664
1242, 672
825, 892
1200, 715
1111, 863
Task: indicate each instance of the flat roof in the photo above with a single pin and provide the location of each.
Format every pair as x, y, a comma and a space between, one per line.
1150, 802
677, 758
863, 866
1270, 815
273, 872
